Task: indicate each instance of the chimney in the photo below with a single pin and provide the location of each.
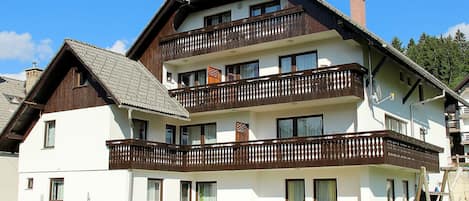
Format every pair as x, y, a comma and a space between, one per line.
32, 75
357, 10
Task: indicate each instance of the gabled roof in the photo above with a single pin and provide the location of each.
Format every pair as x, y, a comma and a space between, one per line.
128, 81
462, 84
12, 91
171, 6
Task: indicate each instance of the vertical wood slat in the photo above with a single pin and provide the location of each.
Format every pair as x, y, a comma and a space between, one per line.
379, 147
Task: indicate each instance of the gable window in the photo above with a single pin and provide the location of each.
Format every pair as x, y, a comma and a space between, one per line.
30, 183
217, 19
299, 126
295, 190
170, 134
81, 78
206, 191
154, 190
325, 190
194, 78
56, 189
242, 71
395, 125
186, 188
49, 137
390, 190
264, 8
140, 129
199, 134
298, 62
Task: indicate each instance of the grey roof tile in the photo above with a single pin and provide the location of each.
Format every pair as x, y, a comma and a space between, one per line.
9, 87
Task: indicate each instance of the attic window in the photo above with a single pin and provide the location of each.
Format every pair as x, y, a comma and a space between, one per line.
81, 78
13, 99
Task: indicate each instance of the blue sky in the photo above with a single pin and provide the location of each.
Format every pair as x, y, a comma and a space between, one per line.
34, 30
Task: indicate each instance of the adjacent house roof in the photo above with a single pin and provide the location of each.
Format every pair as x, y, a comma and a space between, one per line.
12, 92
171, 6
462, 84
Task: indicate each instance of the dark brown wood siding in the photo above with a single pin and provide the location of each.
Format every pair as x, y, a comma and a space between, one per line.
68, 97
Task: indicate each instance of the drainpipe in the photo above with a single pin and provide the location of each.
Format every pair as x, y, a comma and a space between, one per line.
370, 76
421, 103
131, 126
131, 185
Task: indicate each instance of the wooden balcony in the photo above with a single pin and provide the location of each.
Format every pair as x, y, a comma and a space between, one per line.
377, 147
269, 27
331, 82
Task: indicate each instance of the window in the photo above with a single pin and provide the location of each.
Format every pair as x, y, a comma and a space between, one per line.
423, 133
298, 62
169, 76
49, 138
300, 126
395, 125
390, 190
186, 187
30, 183
57, 189
194, 78
295, 190
264, 8
199, 134
242, 71
206, 191
154, 190
81, 78
401, 77
170, 134
140, 129
405, 190
217, 19
325, 190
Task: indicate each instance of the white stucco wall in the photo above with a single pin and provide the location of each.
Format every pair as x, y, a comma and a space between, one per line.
8, 177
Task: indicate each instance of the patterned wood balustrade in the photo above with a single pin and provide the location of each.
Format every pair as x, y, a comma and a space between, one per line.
377, 147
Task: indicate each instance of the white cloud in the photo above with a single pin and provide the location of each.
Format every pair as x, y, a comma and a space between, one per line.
18, 76
120, 46
14, 46
463, 27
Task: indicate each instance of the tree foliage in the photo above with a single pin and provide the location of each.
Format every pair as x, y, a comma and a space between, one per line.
447, 58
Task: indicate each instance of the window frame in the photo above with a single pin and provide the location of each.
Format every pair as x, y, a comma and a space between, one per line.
173, 128
79, 76
220, 18
286, 187
325, 179
46, 133
196, 78
202, 131
295, 124
393, 188
30, 183
161, 186
190, 189
204, 182
146, 128
293, 61
237, 67
263, 6
52, 180
405, 190
386, 116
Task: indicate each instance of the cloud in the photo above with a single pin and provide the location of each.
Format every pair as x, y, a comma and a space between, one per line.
463, 27
120, 46
14, 46
18, 76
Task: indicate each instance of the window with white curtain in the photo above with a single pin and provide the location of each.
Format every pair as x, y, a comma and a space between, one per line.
325, 190
49, 134
57, 189
206, 191
395, 125
295, 190
154, 188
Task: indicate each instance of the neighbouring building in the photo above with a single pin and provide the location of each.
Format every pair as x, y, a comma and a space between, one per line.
458, 122
233, 100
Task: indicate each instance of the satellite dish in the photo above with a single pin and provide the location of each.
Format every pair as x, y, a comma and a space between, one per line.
377, 91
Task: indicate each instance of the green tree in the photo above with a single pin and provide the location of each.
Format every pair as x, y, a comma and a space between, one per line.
397, 43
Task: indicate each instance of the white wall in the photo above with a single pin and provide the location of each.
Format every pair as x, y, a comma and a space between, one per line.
8, 176
330, 52
239, 10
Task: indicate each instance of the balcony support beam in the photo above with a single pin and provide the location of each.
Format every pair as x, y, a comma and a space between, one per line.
409, 93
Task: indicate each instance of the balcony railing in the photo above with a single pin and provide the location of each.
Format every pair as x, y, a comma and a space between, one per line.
378, 147
269, 27
337, 81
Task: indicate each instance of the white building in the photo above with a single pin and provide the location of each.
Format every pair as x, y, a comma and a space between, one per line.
267, 101
458, 122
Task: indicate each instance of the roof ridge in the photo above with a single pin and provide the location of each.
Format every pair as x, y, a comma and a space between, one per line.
94, 46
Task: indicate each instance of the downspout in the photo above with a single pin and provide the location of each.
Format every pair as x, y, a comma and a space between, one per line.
131, 174
131, 126
370, 76
421, 103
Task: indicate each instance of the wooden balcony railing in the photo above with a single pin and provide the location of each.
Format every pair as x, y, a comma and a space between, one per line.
337, 81
378, 147
269, 27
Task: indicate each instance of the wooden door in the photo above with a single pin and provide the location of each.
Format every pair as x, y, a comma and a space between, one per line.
241, 152
214, 75
242, 132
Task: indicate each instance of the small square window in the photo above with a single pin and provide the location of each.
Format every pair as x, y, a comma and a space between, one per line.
81, 78
30, 183
401, 76
409, 81
169, 76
